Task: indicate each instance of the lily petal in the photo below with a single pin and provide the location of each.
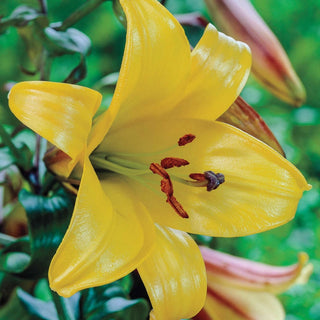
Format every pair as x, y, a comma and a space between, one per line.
246, 274
61, 113
174, 276
220, 68
230, 303
154, 70
105, 239
261, 189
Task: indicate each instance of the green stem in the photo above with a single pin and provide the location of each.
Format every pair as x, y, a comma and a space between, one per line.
81, 12
7, 140
64, 313
5, 239
43, 6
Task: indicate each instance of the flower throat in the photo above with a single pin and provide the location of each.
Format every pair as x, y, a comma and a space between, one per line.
116, 164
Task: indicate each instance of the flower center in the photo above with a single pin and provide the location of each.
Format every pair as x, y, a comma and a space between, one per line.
120, 163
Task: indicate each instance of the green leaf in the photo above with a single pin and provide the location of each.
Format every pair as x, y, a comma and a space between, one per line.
6, 158
8, 283
14, 310
109, 80
46, 310
67, 42
36, 307
78, 73
71, 41
48, 219
111, 302
21, 16
121, 309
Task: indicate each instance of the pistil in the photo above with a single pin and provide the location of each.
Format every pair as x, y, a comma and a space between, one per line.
213, 180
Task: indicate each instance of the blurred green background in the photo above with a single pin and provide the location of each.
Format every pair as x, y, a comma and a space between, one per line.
297, 25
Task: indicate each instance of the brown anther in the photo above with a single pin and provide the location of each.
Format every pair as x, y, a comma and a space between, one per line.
167, 188
177, 207
167, 163
187, 138
157, 169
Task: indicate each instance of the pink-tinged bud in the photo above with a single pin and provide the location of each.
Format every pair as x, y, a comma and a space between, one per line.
242, 289
244, 117
270, 64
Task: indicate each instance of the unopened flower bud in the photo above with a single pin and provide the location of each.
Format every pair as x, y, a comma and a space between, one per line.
270, 64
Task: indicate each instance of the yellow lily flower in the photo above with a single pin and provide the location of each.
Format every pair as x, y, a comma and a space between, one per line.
240, 289
123, 219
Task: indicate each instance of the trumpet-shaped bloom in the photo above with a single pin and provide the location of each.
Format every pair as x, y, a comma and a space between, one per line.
240, 289
156, 164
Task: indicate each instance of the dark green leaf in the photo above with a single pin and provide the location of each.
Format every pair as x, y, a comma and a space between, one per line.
6, 158
121, 309
111, 302
14, 310
24, 14
15, 257
48, 219
66, 42
19, 17
8, 283
41, 309
107, 81
78, 73
46, 310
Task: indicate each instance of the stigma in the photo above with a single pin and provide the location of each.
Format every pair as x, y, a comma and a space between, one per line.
214, 180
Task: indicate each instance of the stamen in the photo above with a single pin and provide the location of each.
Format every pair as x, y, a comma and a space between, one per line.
167, 188
168, 163
214, 179
187, 138
157, 169
177, 207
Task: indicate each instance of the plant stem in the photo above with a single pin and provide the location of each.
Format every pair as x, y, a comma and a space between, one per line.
43, 6
64, 313
77, 15
36, 165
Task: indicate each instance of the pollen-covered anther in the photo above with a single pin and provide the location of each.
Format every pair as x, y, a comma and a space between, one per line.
171, 162
214, 180
157, 169
177, 207
187, 138
167, 188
